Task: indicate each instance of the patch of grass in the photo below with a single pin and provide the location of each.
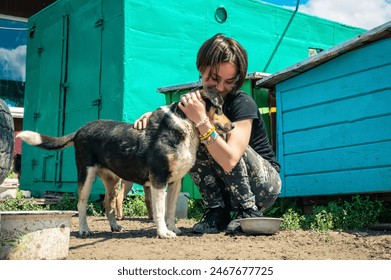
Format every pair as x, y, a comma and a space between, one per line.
67, 203
134, 206
20, 203
12, 175
95, 208
292, 220
362, 211
356, 213
321, 219
196, 209
349, 214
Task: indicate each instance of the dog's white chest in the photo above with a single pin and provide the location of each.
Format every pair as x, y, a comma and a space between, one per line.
184, 156
184, 159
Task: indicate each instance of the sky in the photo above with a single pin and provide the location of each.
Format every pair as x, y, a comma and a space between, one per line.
366, 14
13, 42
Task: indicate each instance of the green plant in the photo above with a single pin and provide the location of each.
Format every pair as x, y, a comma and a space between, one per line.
362, 211
134, 206
338, 214
282, 206
66, 203
321, 219
15, 239
196, 209
20, 203
12, 175
95, 208
292, 220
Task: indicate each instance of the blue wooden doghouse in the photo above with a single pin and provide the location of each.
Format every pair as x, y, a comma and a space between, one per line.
334, 118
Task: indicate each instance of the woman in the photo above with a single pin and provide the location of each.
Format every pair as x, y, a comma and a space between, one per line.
240, 174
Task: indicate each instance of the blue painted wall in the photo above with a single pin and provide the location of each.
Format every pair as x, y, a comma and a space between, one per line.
334, 125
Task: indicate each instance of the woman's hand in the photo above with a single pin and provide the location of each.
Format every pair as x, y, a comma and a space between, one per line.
193, 106
142, 122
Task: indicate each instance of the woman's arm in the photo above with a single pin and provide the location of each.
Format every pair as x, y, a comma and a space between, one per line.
226, 154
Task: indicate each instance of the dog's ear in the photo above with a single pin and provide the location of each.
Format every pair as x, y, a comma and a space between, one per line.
214, 97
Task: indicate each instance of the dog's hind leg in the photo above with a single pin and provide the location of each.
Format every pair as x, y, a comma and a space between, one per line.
86, 178
148, 201
158, 205
110, 181
171, 203
124, 188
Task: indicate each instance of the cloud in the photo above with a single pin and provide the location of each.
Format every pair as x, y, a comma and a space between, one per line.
366, 14
13, 63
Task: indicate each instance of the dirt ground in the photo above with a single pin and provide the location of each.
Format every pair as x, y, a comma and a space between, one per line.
139, 242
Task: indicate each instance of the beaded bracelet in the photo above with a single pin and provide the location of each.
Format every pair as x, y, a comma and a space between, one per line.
207, 134
202, 122
212, 138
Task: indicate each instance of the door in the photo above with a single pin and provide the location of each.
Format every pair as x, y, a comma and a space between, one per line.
81, 84
42, 96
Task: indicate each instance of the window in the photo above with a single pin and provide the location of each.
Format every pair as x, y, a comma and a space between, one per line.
13, 45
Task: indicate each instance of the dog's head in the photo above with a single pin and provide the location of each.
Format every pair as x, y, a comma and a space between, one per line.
214, 109
214, 97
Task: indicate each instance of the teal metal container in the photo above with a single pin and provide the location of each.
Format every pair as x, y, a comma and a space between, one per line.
104, 59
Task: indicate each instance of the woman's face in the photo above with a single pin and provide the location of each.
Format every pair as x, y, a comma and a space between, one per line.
223, 80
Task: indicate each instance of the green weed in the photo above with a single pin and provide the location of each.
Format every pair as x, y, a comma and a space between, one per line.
349, 214
321, 219
20, 204
353, 214
67, 203
134, 206
195, 209
292, 220
362, 211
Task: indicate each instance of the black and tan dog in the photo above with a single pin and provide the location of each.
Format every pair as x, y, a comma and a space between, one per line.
159, 155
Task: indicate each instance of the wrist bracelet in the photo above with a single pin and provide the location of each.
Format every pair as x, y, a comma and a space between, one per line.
202, 122
212, 138
207, 134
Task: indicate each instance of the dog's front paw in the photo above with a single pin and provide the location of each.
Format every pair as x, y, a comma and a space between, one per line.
85, 232
175, 229
166, 234
117, 228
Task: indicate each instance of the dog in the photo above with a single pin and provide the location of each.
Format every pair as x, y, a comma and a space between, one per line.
159, 155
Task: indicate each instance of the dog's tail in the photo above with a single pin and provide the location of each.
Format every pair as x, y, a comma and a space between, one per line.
46, 142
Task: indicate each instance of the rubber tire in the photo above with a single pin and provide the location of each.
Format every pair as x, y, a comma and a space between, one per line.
6, 140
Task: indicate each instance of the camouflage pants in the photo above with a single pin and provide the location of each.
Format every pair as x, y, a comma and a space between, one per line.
253, 181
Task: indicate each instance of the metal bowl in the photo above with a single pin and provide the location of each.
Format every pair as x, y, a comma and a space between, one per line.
261, 225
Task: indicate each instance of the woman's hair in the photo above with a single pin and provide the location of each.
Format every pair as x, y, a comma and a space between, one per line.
221, 48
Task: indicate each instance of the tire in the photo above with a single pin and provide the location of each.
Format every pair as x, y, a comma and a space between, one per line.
6, 140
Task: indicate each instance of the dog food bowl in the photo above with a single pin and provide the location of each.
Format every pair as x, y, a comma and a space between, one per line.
35, 235
261, 225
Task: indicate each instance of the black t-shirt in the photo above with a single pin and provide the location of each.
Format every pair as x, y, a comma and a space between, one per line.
240, 106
